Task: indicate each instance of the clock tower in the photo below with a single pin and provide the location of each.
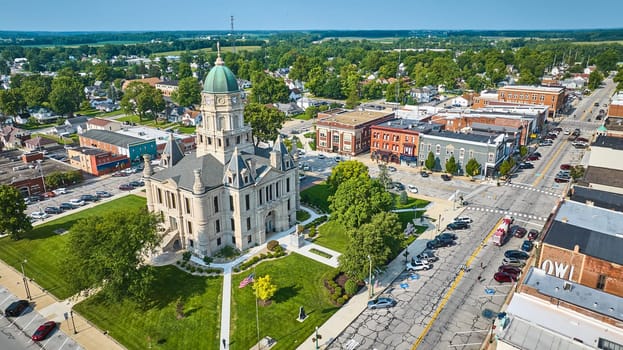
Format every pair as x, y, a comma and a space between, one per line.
222, 127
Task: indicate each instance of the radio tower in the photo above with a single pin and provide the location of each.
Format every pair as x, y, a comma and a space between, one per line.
233, 38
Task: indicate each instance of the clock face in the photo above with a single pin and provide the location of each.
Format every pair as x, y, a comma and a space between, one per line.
220, 101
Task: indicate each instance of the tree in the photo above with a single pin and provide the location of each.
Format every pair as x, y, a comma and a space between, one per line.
12, 102
66, 95
381, 239
577, 172
36, 90
384, 178
451, 166
430, 161
184, 71
357, 200
109, 251
13, 218
188, 92
345, 171
505, 167
267, 89
264, 288
523, 150
142, 99
595, 79
265, 121
472, 167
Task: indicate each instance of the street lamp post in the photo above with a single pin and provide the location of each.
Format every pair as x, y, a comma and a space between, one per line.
439, 223
71, 312
370, 279
25, 280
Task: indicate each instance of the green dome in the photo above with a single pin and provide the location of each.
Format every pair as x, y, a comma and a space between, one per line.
220, 80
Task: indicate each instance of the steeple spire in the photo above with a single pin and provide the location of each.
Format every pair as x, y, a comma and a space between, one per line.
219, 61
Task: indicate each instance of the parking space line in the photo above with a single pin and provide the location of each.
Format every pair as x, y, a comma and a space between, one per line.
453, 286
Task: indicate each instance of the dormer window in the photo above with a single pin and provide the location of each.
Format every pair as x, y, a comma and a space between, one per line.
229, 179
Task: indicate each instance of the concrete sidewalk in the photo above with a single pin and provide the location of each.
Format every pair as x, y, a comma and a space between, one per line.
88, 336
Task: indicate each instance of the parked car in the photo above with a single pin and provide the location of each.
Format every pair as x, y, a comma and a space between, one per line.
59, 191
537, 153
77, 202
447, 235
103, 194
562, 179
427, 255
43, 331
381, 303
518, 231
418, 265
546, 143
503, 277
445, 177
391, 169
412, 189
66, 206
16, 308
423, 174
120, 174
89, 198
465, 219
35, 198
526, 165
533, 234
49, 194
337, 159
137, 183
532, 157
397, 186
527, 245
52, 210
513, 270
516, 254
457, 226
513, 262
438, 243
128, 187
565, 166
39, 215
321, 156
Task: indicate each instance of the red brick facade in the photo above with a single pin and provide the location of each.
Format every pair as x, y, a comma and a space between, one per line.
552, 97
390, 143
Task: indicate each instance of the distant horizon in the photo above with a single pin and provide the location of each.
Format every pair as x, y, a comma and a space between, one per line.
283, 15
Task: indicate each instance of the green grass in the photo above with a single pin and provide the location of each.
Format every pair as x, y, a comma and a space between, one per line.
302, 116
63, 141
186, 129
333, 236
411, 202
317, 196
299, 283
310, 135
146, 122
110, 114
92, 112
131, 325
33, 127
321, 253
45, 250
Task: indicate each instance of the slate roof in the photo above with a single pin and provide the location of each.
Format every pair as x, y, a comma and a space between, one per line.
236, 166
602, 199
112, 138
77, 121
577, 224
172, 148
461, 136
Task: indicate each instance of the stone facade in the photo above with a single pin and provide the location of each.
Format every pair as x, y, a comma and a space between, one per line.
227, 192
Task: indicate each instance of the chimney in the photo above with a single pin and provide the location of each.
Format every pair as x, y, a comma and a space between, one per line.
198, 187
576, 248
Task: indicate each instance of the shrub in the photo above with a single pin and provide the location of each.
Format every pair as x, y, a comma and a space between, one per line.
186, 256
207, 260
271, 245
179, 262
338, 290
350, 287
339, 301
278, 250
312, 231
403, 197
192, 269
262, 256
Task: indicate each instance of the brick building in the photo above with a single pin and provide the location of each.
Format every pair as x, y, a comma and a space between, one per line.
553, 97
602, 172
132, 147
397, 140
26, 171
97, 162
347, 132
578, 248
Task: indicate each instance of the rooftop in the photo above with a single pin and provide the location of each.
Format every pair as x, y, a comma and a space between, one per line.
146, 133
354, 118
10, 160
602, 199
604, 176
112, 138
407, 124
609, 142
463, 136
548, 89
596, 231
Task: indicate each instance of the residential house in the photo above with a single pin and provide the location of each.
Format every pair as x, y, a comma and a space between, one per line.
151, 81
289, 109
167, 87
78, 124
39, 143
103, 124
191, 118
43, 115
12, 137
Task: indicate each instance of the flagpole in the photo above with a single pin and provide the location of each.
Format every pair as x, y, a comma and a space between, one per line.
257, 316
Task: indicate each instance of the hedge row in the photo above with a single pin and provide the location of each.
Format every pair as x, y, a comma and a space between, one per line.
192, 268
316, 222
254, 260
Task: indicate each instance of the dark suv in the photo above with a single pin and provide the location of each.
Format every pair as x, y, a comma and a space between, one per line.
457, 225
439, 242
89, 198
16, 308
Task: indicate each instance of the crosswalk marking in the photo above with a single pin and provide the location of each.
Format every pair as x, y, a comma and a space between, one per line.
530, 188
511, 213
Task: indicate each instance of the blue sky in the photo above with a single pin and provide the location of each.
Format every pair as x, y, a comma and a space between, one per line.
123, 15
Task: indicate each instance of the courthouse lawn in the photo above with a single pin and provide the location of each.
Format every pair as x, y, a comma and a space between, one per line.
155, 324
333, 236
45, 251
299, 283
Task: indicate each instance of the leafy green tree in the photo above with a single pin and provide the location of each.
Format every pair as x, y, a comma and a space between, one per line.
505, 167
103, 72
12, 102
267, 89
184, 71
142, 99
345, 171
595, 79
577, 172
266, 121
66, 95
357, 200
527, 78
472, 167
607, 60
264, 288
13, 218
430, 161
451, 166
36, 90
109, 251
523, 150
381, 239
188, 92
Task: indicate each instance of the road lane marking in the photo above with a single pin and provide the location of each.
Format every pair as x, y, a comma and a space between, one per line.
549, 163
453, 286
